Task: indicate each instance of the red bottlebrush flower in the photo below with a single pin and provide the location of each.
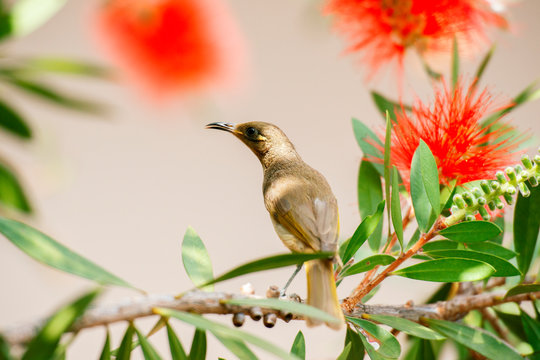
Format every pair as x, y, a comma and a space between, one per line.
463, 149
171, 46
384, 29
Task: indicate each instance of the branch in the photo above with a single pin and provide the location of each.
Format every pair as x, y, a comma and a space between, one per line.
201, 302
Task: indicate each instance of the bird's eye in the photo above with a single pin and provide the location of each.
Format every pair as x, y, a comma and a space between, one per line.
252, 132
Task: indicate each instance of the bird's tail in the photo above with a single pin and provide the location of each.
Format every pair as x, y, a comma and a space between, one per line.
322, 294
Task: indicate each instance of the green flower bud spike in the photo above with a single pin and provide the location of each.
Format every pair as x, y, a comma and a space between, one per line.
466, 205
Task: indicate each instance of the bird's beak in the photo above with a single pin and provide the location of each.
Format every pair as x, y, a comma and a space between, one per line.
222, 126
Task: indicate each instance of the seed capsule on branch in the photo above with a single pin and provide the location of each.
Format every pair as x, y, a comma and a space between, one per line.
256, 313
239, 319
269, 320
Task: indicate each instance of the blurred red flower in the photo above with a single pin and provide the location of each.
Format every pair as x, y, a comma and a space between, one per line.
172, 46
384, 29
463, 149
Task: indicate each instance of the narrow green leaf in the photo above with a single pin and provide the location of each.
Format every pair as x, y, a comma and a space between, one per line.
237, 347
148, 350
447, 270
177, 350
47, 93
532, 330
406, 326
483, 65
455, 63
46, 250
513, 323
268, 263
475, 339
384, 104
389, 346
43, 345
196, 259
5, 354
220, 329
198, 345
397, 220
441, 294
298, 347
356, 347
493, 249
106, 352
370, 195
433, 75
66, 66
28, 15
522, 289
414, 239
365, 139
345, 353
287, 306
420, 349
471, 231
425, 187
501, 266
530, 93
362, 233
11, 191
526, 228
368, 264
387, 174
126, 346
13, 122
372, 353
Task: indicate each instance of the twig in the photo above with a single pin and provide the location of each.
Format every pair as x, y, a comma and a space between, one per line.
201, 302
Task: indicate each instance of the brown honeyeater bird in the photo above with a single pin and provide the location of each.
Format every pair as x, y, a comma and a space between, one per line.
302, 207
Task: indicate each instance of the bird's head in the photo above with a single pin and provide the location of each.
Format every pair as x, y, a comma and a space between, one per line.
264, 139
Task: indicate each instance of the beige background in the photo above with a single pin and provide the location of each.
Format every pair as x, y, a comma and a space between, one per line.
121, 190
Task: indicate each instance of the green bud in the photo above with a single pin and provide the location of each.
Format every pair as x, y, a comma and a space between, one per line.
537, 159
491, 205
495, 185
458, 200
483, 212
454, 209
469, 198
500, 175
524, 175
510, 190
533, 181
524, 190
509, 198
477, 192
482, 201
519, 169
470, 218
526, 162
485, 187
499, 204
510, 172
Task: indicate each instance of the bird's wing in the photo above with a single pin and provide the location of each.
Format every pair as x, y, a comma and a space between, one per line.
312, 220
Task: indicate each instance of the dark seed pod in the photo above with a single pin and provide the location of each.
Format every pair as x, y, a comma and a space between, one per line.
256, 313
238, 319
269, 320
286, 316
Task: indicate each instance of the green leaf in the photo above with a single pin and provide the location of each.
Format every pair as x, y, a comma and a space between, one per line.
368, 264
483, 65
499, 221
345, 353
148, 350
362, 233
196, 259
43, 345
299, 346
220, 329
198, 345
522, 289
47, 93
5, 354
177, 350
354, 342
529, 94
420, 349
389, 346
268, 263
406, 326
49, 252
471, 231
444, 292
526, 228
287, 306
493, 249
447, 270
425, 187
397, 220
455, 63
11, 192
365, 139
370, 196
66, 66
475, 339
501, 266
11, 121
532, 330
513, 323
124, 351
387, 174
433, 75
106, 352
384, 105
237, 347
28, 15
372, 353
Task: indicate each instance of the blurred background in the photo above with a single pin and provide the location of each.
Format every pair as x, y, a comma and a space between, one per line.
121, 188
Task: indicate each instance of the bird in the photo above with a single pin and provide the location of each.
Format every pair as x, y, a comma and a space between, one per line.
302, 208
